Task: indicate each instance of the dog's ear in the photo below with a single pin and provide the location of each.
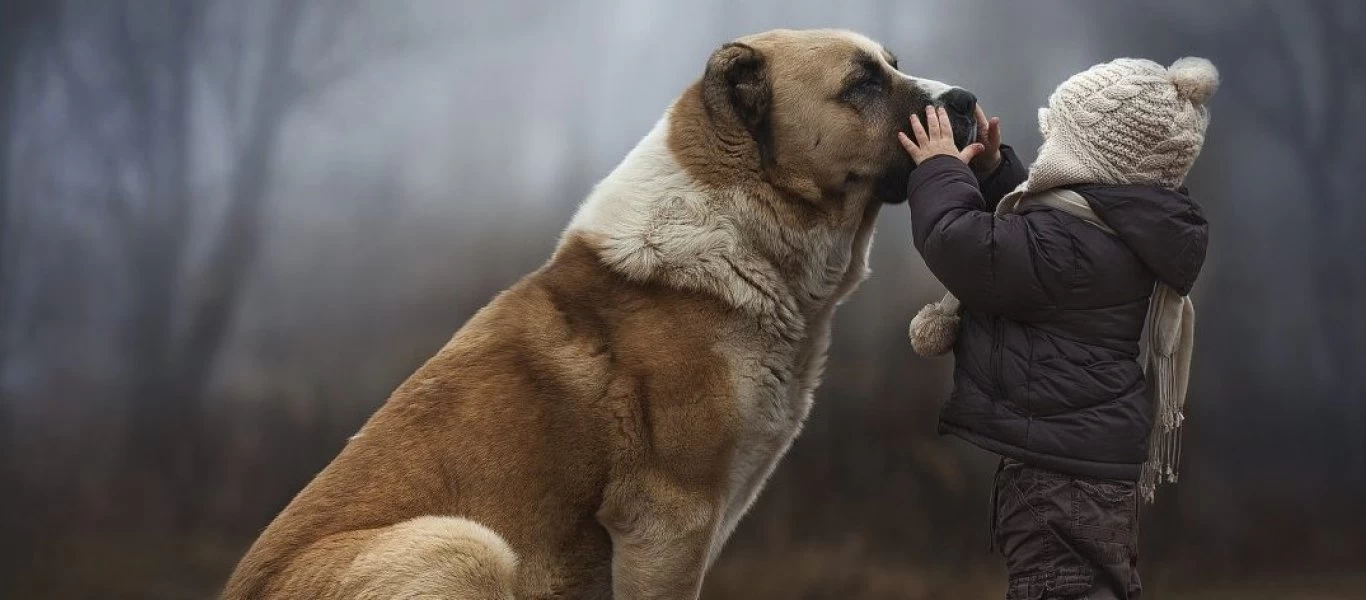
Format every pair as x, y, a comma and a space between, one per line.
736, 84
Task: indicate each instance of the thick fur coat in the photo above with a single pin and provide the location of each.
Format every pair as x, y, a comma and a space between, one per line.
599, 429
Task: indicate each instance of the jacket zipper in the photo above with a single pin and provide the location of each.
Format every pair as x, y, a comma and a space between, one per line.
996, 359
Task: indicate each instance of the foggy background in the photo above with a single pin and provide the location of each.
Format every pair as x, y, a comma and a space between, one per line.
229, 228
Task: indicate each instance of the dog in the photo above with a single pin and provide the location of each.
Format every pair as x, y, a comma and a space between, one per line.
599, 428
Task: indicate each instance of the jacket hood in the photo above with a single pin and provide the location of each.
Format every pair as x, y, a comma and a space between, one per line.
1165, 228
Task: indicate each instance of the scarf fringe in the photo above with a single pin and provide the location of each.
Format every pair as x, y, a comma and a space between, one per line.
1168, 341
1164, 448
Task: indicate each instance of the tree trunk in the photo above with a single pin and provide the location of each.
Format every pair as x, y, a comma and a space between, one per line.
178, 366
19, 21
22, 23
161, 419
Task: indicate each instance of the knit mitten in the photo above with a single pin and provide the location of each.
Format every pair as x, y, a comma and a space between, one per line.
934, 330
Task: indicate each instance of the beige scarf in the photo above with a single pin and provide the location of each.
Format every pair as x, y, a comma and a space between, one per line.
1166, 344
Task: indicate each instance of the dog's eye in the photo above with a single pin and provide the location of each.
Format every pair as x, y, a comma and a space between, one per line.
863, 90
870, 83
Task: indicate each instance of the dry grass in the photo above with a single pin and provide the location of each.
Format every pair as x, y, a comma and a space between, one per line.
815, 572
819, 573
164, 570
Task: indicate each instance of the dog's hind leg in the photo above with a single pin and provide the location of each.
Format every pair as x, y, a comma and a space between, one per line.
436, 557
424, 557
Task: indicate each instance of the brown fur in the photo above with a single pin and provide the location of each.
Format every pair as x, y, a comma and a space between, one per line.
824, 148
589, 419
572, 386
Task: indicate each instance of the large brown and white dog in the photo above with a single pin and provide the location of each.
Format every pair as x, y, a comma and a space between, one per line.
598, 430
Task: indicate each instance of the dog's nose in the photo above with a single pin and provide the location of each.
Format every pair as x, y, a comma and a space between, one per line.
959, 101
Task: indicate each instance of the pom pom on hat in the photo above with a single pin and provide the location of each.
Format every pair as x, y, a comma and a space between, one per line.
1195, 79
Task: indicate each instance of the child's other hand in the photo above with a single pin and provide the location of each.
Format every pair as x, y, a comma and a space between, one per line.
937, 140
989, 134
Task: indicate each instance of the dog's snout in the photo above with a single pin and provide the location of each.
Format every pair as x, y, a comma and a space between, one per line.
959, 101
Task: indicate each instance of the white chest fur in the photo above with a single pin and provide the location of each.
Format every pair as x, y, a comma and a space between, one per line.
775, 384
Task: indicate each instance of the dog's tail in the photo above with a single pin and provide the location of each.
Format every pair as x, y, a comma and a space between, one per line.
424, 557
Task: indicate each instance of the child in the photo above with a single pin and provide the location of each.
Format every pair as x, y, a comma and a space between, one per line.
1074, 318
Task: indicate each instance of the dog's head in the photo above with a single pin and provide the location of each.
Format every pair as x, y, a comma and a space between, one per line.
822, 108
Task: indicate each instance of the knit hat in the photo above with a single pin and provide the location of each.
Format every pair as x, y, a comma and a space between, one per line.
1128, 121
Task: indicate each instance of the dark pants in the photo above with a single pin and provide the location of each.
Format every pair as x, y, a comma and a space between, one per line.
1065, 537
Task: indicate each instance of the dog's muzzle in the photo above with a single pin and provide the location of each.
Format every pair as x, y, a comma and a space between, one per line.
961, 106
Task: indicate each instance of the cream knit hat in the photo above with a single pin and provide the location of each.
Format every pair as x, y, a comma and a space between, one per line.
1128, 121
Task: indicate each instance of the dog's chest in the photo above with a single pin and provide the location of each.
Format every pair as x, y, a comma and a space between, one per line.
768, 393
774, 381
773, 396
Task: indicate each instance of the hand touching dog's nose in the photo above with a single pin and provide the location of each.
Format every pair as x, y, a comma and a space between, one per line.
936, 138
989, 134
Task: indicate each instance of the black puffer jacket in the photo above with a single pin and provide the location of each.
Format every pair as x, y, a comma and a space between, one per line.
1046, 365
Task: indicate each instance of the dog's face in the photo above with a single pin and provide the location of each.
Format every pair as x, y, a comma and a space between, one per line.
824, 107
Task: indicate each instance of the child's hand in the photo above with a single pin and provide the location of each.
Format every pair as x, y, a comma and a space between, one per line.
989, 134
938, 140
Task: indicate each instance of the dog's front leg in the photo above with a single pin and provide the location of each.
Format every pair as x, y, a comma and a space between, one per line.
661, 537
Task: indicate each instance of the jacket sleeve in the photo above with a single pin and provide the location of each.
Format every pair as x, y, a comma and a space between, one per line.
1004, 179
991, 263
